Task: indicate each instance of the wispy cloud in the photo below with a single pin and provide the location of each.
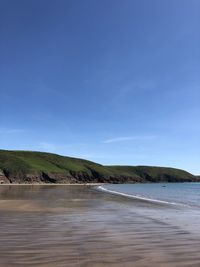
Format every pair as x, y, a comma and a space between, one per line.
129, 138
127, 88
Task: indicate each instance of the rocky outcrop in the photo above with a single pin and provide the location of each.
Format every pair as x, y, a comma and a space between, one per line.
3, 178
83, 177
70, 178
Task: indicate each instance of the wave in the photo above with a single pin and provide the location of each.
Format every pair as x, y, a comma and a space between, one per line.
101, 188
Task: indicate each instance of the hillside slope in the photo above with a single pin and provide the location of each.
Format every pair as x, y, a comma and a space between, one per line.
41, 167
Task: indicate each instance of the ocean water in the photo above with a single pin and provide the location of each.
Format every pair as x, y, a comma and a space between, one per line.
186, 194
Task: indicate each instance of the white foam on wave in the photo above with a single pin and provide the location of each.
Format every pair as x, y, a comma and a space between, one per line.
101, 188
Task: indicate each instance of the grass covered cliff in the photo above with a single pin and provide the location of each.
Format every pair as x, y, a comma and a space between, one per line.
41, 167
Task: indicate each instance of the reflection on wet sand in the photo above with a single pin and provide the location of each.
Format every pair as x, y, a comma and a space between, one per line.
59, 226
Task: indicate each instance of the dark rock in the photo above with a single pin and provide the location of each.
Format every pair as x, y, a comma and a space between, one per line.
3, 178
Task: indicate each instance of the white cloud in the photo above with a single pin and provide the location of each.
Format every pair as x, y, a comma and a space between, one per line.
129, 138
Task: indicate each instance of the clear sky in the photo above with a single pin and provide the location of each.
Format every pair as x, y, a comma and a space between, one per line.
116, 82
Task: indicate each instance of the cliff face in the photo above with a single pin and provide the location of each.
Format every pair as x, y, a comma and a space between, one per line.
37, 167
73, 178
3, 178
79, 178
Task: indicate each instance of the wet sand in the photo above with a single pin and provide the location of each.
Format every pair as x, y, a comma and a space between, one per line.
61, 226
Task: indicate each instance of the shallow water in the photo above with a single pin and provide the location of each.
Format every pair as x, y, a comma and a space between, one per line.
175, 193
79, 226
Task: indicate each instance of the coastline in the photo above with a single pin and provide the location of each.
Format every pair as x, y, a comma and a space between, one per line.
140, 198
79, 226
53, 184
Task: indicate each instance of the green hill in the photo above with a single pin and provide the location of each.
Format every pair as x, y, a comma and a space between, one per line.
41, 167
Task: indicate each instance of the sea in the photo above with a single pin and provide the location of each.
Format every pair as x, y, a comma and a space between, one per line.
183, 194
176, 204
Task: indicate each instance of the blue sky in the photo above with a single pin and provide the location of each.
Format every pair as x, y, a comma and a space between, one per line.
116, 82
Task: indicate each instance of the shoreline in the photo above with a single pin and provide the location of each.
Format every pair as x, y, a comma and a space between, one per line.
77, 226
100, 188
51, 184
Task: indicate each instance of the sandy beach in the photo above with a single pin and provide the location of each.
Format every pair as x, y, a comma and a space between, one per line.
59, 226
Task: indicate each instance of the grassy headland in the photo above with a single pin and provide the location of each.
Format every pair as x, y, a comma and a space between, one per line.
42, 167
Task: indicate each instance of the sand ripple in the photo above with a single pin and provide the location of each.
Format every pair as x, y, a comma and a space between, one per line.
93, 231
